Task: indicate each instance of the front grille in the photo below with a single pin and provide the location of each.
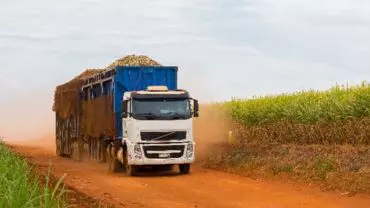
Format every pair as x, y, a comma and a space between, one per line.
163, 136
159, 149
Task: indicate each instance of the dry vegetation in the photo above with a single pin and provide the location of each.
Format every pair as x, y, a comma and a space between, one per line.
314, 137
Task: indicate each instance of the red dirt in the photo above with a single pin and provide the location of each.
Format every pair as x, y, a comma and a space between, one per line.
202, 188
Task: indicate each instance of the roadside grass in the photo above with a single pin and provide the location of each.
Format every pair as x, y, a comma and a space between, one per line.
320, 137
332, 167
21, 187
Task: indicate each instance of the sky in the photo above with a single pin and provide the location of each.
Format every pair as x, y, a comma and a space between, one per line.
223, 49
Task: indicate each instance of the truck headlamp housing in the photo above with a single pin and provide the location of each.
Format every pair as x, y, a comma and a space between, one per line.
189, 150
137, 151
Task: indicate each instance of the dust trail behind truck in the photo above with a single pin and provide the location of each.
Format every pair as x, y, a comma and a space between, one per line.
128, 115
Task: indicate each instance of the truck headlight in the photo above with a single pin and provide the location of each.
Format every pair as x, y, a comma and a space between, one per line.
137, 151
189, 150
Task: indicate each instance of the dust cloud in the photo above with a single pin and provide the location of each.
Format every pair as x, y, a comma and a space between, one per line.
210, 130
45, 141
28, 119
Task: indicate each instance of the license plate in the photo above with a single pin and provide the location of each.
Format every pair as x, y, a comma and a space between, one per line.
164, 155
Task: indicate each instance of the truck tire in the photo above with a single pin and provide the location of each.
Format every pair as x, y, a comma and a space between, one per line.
131, 170
184, 168
73, 151
108, 156
103, 158
114, 164
58, 147
77, 150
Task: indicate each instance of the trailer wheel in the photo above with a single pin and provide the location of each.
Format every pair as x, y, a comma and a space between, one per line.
184, 168
77, 150
108, 156
73, 151
58, 147
131, 170
103, 157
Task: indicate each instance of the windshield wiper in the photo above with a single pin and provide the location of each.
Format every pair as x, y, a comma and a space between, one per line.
176, 115
147, 115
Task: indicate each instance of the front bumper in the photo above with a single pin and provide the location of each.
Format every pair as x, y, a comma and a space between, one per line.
161, 154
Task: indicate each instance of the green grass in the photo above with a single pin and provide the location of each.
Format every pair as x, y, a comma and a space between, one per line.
285, 168
20, 187
310, 136
340, 115
323, 166
306, 107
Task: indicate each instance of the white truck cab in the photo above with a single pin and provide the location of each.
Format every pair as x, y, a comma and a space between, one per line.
158, 129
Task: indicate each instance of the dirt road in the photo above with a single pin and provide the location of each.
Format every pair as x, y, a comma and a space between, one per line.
203, 188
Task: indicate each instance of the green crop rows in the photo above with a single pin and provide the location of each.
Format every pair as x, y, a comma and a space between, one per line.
336, 104
19, 187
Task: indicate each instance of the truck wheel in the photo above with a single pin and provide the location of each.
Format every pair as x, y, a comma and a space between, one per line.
115, 165
58, 147
102, 151
131, 170
184, 168
108, 156
75, 151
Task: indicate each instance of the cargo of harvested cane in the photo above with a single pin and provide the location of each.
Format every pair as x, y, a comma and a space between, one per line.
134, 60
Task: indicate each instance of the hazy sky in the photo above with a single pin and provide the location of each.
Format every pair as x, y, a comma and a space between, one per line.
224, 49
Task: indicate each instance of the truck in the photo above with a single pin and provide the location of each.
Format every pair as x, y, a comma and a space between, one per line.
128, 117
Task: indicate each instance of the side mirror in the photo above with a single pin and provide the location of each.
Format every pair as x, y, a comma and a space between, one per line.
124, 115
196, 108
124, 109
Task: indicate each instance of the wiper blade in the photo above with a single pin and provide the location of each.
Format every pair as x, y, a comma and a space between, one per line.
177, 116
148, 115
174, 115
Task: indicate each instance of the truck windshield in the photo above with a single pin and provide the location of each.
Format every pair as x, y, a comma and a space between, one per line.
161, 108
